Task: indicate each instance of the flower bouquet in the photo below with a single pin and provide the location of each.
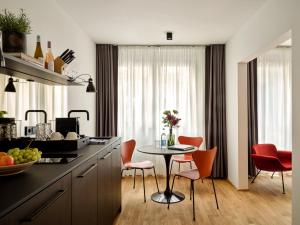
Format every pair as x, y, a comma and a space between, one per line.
170, 120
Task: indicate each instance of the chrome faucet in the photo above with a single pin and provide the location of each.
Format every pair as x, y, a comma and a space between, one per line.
36, 111
80, 111
77, 121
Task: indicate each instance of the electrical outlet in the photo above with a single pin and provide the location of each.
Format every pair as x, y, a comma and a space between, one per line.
30, 130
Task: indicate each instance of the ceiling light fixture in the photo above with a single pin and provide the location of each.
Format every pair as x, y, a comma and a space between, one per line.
10, 87
90, 87
169, 36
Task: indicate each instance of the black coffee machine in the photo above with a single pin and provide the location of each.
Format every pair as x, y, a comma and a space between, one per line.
70, 124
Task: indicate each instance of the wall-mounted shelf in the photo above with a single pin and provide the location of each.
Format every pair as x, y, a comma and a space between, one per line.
19, 68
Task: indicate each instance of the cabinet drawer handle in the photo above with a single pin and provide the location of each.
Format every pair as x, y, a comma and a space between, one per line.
87, 171
106, 156
43, 208
117, 147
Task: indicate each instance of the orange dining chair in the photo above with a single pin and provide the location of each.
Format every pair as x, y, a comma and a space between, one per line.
127, 150
204, 161
186, 158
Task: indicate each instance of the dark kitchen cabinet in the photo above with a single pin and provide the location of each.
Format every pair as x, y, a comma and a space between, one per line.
51, 206
105, 203
4, 220
84, 193
109, 184
116, 179
90, 194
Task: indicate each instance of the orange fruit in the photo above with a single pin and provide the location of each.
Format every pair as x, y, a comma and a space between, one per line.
6, 160
2, 154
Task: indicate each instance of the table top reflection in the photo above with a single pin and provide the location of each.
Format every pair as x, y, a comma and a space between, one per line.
151, 149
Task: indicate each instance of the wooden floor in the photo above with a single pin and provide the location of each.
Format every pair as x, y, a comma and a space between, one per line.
264, 204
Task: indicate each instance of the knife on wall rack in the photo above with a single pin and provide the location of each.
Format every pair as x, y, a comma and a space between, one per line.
67, 56
64, 53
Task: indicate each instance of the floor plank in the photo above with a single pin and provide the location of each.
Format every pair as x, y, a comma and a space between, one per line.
264, 204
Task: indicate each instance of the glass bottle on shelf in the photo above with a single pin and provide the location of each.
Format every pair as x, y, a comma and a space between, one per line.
38, 54
49, 59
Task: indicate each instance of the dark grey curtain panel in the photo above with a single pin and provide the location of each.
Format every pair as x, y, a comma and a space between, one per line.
215, 106
107, 90
252, 112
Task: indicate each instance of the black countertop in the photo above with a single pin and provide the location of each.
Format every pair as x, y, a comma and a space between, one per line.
17, 189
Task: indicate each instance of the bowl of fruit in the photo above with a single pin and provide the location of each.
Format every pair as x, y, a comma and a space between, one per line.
18, 160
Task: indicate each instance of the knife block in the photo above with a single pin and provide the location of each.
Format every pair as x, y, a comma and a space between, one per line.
58, 65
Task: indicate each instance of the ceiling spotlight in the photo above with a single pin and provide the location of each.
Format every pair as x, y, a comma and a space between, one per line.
169, 36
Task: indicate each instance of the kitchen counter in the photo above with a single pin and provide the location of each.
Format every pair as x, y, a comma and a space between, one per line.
16, 189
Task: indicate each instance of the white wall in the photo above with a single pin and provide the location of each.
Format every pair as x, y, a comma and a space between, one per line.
242, 124
260, 32
270, 25
52, 23
296, 112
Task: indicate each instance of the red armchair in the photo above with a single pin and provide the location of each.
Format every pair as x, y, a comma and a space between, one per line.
266, 157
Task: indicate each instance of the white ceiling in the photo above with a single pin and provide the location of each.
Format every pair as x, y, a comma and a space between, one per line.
146, 21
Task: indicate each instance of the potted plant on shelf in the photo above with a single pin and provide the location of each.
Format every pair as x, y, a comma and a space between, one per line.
171, 121
14, 28
2, 113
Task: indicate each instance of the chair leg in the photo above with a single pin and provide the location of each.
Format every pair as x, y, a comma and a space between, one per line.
179, 169
272, 175
283, 190
122, 172
144, 185
171, 191
156, 179
134, 178
171, 167
193, 189
212, 180
255, 176
191, 165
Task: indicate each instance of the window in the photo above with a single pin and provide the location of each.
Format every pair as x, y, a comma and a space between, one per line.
153, 79
274, 98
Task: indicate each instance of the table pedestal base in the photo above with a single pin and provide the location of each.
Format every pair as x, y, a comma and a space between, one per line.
162, 197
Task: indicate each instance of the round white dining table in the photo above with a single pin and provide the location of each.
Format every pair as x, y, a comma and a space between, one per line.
166, 196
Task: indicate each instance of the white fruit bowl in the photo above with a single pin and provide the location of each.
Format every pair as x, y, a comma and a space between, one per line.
15, 169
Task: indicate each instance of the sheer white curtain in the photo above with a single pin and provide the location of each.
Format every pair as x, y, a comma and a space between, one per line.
153, 79
274, 96
29, 95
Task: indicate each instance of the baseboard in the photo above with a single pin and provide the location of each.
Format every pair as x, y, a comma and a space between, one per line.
238, 189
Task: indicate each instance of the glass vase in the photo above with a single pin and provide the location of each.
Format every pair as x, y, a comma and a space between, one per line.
171, 138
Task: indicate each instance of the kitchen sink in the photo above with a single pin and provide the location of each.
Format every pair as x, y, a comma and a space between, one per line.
99, 140
58, 158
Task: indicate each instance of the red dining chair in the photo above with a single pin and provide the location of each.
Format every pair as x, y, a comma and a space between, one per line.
266, 157
186, 158
204, 161
127, 150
